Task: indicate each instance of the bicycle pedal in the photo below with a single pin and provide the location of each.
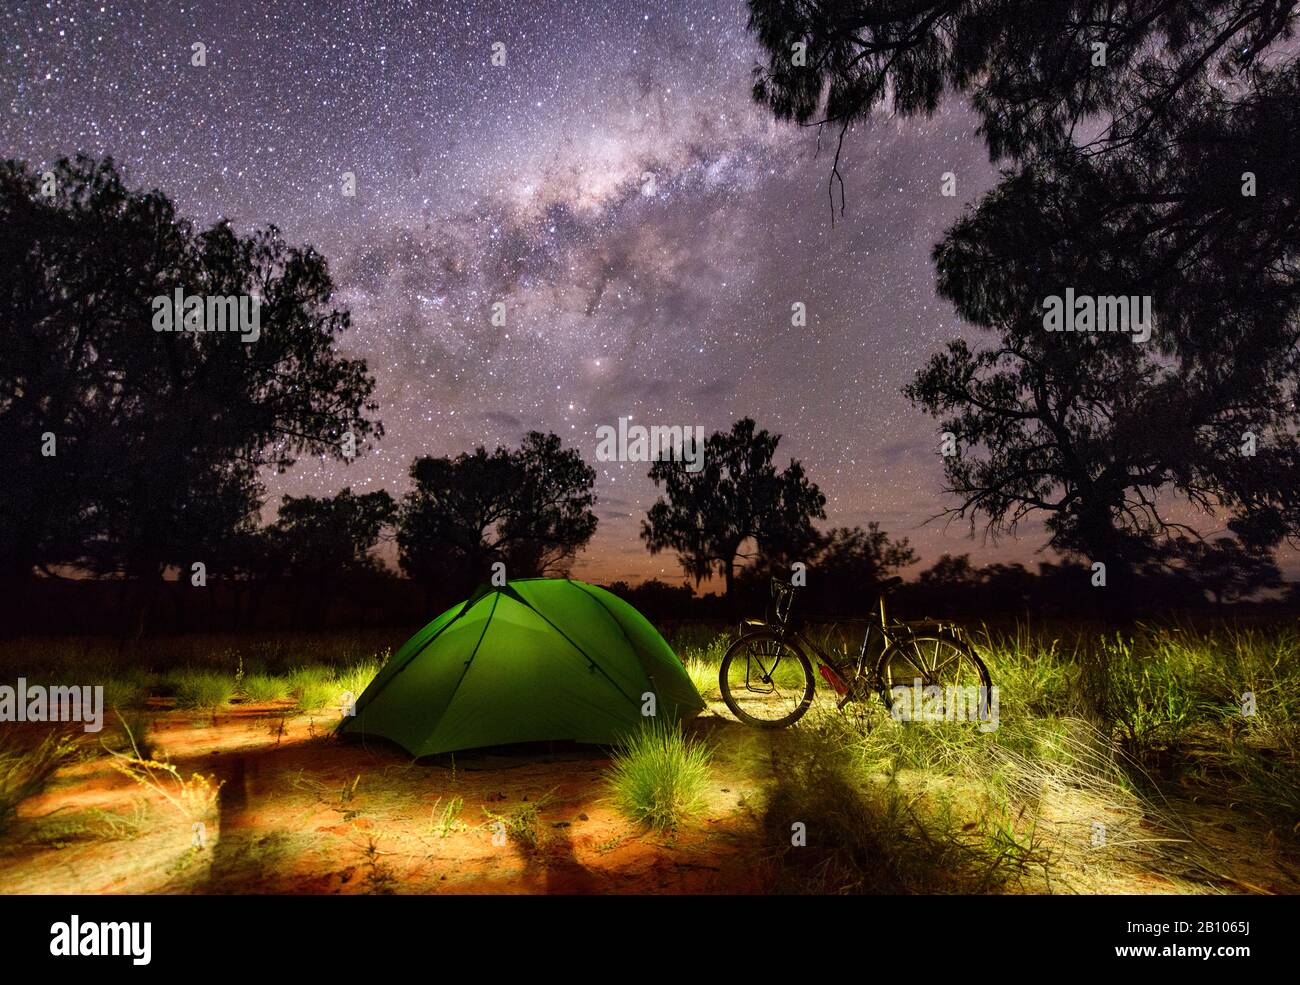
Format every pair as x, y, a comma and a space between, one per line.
856, 691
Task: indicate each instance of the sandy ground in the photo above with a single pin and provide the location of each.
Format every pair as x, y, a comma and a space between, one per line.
301, 812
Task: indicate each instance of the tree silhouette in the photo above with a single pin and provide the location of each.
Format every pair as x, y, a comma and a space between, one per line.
951, 572
1167, 172
1032, 70
157, 437
849, 562
333, 536
1227, 569
323, 541
132, 450
529, 509
737, 497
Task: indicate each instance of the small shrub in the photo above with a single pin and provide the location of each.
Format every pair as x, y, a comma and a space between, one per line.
445, 822
262, 688
313, 688
202, 690
658, 776
703, 675
521, 824
127, 691
355, 679
193, 798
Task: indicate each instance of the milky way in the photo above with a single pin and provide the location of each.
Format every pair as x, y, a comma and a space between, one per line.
647, 227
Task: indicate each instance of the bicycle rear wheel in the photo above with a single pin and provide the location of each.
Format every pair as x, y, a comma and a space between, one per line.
914, 666
767, 682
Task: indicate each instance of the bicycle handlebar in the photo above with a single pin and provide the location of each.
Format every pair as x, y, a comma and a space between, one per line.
781, 587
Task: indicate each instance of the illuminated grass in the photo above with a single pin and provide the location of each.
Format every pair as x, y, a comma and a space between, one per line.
355, 679
704, 676
24, 771
313, 688
1100, 740
263, 688
659, 776
202, 690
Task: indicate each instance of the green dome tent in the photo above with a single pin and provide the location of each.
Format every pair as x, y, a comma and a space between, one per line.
538, 659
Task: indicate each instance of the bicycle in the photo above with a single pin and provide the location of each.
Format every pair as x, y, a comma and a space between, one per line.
767, 681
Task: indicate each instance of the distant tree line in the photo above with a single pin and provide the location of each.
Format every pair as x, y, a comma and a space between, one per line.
138, 458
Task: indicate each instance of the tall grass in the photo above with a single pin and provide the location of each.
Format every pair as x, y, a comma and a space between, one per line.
314, 688
829, 830
355, 679
263, 688
25, 770
658, 775
704, 677
71, 659
1102, 743
702, 660
128, 689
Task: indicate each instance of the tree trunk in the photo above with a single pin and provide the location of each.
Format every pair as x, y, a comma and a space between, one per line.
146, 596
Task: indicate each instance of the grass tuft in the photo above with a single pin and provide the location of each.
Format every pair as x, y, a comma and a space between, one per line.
313, 687
263, 688
24, 771
659, 776
202, 690
355, 679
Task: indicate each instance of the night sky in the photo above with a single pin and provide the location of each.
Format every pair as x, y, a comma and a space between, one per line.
523, 183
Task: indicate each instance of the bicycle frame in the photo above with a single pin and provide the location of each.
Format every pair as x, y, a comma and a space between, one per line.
888, 650
786, 628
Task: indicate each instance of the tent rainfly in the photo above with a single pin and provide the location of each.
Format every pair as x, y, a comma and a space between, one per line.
538, 659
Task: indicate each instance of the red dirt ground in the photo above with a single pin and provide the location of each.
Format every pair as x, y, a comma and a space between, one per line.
301, 812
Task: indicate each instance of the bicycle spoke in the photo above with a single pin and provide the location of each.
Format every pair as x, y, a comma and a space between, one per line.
775, 687
934, 662
765, 680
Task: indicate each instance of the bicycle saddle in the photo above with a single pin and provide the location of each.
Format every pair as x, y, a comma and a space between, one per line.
889, 584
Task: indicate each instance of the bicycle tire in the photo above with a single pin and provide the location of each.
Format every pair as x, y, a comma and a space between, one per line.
883, 666
736, 650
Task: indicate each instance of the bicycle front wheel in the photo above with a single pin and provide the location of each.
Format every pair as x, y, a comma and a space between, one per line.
766, 681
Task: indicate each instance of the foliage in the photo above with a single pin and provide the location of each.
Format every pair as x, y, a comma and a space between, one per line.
529, 509
160, 435
1125, 177
24, 771
737, 497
